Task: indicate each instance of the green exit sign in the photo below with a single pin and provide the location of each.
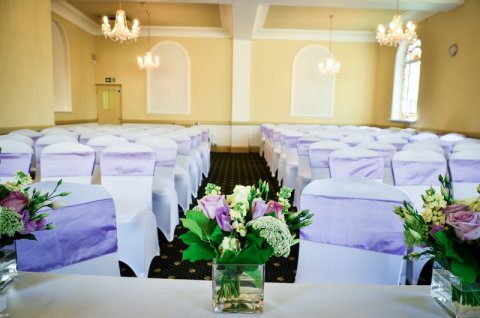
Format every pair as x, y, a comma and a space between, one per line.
109, 79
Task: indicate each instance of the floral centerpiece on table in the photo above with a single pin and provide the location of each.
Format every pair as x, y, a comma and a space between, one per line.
23, 212
448, 230
241, 228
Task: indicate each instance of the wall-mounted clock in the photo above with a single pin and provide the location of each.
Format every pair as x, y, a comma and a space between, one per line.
453, 49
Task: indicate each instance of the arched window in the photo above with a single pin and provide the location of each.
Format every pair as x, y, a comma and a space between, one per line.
406, 81
168, 86
62, 100
312, 91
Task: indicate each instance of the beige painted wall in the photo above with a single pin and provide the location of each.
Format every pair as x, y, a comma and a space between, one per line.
82, 73
384, 85
449, 97
271, 82
211, 77
26, 81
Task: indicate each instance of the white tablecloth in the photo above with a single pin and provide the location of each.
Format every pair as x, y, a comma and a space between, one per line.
56, 295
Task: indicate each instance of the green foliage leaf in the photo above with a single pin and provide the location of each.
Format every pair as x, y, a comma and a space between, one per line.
217, 235
4, 191
197, 252
190, 238
465, 272
193, 227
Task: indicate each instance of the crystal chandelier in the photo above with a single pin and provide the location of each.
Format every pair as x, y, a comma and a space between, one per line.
394, 33
120, 31
148, 62
330, 66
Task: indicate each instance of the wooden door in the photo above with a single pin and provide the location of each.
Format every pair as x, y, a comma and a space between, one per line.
109, 104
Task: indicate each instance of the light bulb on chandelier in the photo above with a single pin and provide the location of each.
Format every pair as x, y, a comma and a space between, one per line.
330, 66
395, 33
120, 31
148, 62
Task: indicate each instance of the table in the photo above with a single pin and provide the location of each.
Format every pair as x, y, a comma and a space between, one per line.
59, 295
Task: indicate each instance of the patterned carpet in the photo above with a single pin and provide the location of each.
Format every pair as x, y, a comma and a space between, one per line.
227, 170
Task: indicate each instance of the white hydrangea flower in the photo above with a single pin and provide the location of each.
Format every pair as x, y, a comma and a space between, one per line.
275, 232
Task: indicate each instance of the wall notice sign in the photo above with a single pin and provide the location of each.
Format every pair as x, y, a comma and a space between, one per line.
109, 79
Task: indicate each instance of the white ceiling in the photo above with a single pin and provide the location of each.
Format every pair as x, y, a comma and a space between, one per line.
354, 20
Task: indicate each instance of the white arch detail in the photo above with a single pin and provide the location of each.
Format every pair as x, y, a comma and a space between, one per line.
168, 86
62, 93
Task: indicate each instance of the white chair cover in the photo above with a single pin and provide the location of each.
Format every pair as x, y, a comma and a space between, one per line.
291, 159
127, 173
44, 141
319, 154
133, 136
276, 151
193, 166
423, 136
465, 173
414, 171
387, 150
205, 150
355, 238
84, 238
425, 145
353, 140
70, 161
17, 137
304, 174
164, 196
356, 162
465, 146
395, 141
99, 143
15, 156
29, 133
183, 181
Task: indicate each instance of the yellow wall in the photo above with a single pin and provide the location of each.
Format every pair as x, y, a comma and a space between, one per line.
26, 81
82, 73
449, 97
271, 82
384, 85
211, 77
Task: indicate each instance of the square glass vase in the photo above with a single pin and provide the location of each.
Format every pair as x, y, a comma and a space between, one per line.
8, 265
238, 288
459, 300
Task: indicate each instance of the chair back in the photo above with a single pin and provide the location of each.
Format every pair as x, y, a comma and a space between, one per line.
356, 162
84, 238
423, 136
387, 150
14, 156
416, 170
17, 137
465, 146
353, 140
29, 133
464, 169
424, 145
319, 154
70, 161
166, 157
353, 223
99, 143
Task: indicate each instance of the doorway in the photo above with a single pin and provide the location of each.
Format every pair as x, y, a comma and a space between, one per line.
109, 104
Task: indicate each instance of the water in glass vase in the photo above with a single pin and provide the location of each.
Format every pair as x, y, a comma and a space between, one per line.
237, 287
459, 300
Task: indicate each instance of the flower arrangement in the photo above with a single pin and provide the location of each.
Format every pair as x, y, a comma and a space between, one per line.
23, 212
448, 230
241, 228
240, 232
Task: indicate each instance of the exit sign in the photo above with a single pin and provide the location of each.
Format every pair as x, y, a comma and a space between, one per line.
109, 79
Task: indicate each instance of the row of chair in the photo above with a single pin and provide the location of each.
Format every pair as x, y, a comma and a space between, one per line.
141, 177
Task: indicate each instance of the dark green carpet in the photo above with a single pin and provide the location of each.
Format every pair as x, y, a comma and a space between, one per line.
227, 170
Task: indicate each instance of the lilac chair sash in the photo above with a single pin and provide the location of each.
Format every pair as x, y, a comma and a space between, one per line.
166, 157
205, 136
319, 157
465, 170
291, 141
10, 163
304, 144
368, 167
276, 135
359, 223
127, 163
67, 164
412, 173
184, 147
83, 230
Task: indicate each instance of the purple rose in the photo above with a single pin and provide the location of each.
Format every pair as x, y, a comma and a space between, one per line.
465, 222
276, 207
224, 219
435, 229
29, 225
15, 200
210, 203
259, 207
